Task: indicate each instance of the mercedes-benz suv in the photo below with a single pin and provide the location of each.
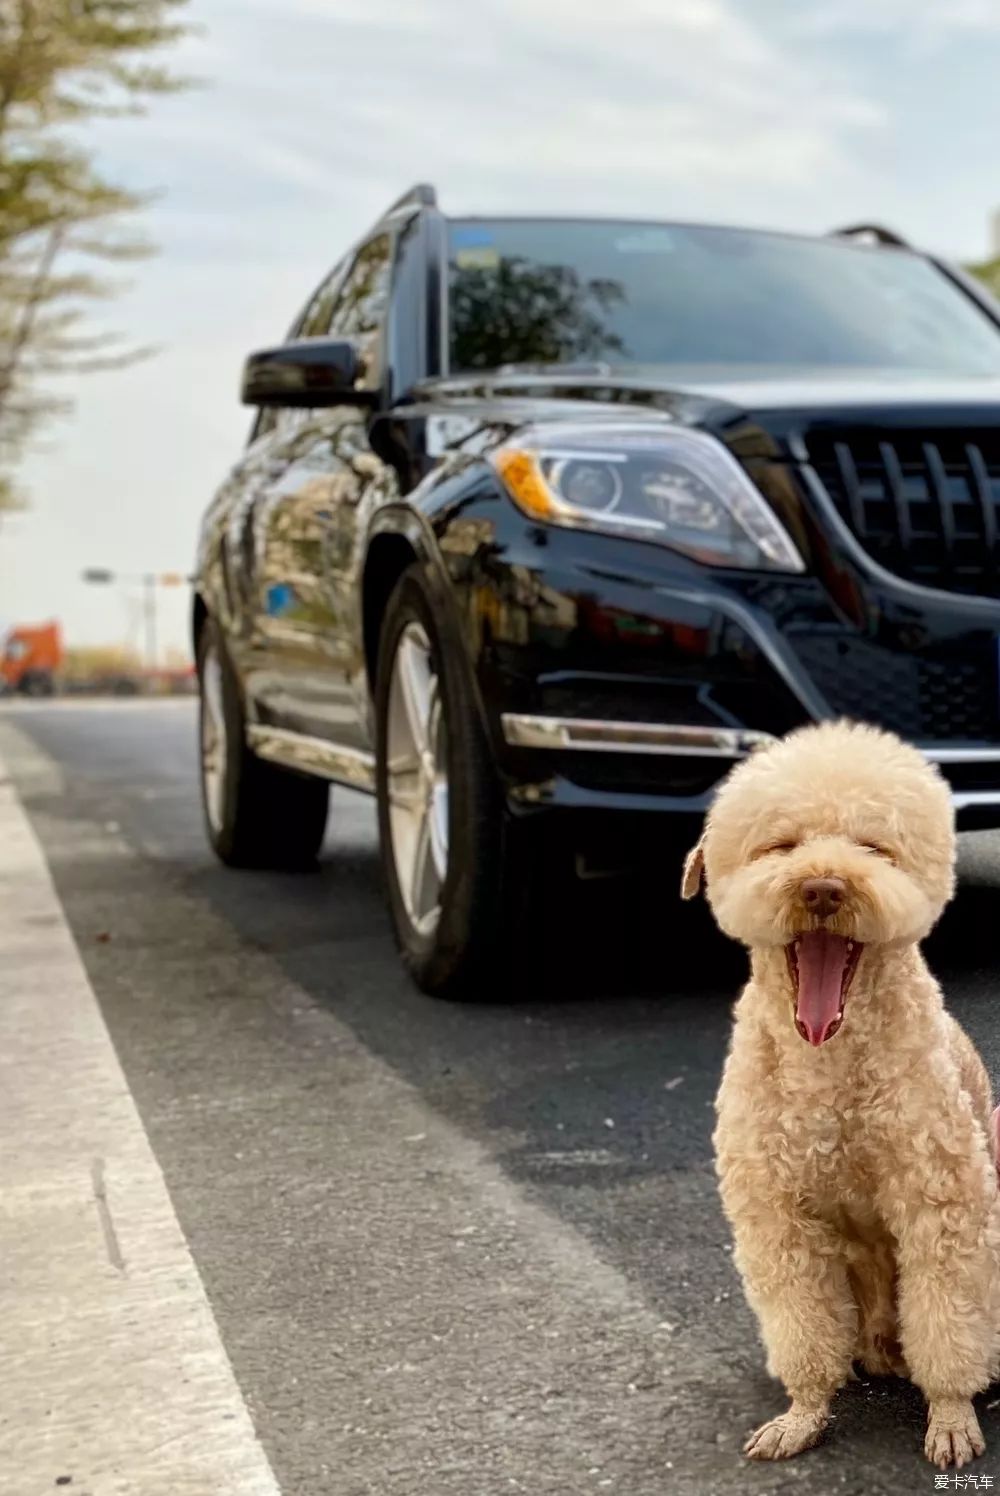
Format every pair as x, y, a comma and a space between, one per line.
542, 523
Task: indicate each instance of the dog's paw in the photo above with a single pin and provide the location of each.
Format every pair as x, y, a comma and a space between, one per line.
790, 1434
953, 1434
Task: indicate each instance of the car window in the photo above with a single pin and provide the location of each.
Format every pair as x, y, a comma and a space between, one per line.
351, 302
363, 300
540, 291
316, 320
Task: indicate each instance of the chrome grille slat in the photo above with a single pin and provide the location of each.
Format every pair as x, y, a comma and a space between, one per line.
984, 494
852, 487
939, 487
897, 490
923, 504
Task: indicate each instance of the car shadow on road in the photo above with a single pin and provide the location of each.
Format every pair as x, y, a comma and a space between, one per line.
624, 976
619, 1016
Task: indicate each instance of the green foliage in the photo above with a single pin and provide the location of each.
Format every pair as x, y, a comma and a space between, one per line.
62, 64
989, 273
516, 312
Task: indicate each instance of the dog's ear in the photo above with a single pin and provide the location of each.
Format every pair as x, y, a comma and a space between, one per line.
694, 871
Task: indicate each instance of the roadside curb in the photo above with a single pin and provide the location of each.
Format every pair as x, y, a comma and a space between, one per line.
116, 1375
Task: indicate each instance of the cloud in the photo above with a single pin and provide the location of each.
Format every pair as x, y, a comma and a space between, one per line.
914, 19
313, 115
516, 100
316, 113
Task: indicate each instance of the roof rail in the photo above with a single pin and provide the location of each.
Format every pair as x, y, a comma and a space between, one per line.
420, 196
874, 231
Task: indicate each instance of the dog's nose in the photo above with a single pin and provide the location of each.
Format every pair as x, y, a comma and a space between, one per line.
823, 896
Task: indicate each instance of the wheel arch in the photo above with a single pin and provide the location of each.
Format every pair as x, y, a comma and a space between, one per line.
389, 555
400, 538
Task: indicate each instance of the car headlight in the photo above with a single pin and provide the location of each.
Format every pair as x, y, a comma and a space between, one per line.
681, 488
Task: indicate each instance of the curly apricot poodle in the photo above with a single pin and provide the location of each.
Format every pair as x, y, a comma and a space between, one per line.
855, 1146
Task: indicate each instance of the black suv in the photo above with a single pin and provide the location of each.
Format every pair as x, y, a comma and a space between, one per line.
543, 523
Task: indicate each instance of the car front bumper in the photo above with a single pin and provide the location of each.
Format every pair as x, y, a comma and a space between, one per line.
567, 734
618, 676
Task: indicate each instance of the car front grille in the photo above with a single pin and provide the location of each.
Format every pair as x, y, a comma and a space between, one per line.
925, 700
925, 505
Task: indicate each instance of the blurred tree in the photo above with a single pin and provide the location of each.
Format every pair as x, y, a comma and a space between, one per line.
62, 64
522, 313
86, 663
989, 273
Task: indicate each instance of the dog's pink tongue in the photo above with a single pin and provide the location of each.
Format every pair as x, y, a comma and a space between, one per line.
821, 959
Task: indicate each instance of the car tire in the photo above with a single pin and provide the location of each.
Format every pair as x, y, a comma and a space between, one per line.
257, 814
462, 924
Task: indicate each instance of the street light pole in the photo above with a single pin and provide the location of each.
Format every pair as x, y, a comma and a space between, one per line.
149, 583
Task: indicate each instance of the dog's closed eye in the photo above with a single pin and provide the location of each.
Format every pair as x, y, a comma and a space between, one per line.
785, 846
879, 850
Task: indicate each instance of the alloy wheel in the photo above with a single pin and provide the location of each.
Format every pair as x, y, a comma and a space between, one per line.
213, 738
417, 779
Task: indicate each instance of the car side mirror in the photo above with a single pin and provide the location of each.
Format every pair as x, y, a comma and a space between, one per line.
310, 372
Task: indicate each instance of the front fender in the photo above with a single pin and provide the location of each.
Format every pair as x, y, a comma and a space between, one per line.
400, 535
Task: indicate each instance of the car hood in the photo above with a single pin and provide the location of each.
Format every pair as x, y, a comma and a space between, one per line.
812, 388
714, 395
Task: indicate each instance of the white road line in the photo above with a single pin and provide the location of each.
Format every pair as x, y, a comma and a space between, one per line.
113, 1372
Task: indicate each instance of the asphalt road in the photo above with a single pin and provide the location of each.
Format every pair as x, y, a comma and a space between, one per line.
465, 1250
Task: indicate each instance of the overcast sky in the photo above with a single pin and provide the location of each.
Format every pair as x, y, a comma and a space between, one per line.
314, 114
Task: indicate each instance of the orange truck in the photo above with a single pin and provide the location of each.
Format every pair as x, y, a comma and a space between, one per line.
31, 659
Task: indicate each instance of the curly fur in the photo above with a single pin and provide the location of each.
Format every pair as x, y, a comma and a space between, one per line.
858, 1176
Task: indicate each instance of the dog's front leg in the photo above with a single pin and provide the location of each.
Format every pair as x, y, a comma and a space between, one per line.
947, 1289
796, 1281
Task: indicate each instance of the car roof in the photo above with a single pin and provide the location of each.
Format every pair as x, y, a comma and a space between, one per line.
863, 236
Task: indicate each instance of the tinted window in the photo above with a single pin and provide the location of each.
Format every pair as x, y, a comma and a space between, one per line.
352, 301
315, 320
363, 299
537, 291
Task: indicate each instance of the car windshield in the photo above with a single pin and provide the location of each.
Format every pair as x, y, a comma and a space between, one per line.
540, 291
